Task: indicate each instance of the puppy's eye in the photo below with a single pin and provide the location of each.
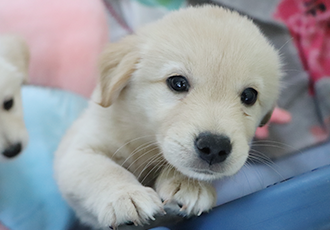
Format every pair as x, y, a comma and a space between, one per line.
178, 83
8, 104
249, 96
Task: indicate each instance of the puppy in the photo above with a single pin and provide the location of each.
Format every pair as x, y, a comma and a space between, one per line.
14, 58
176, 107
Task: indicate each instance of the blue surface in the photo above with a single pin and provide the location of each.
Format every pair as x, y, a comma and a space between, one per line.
29, 198
255, 177
301, 203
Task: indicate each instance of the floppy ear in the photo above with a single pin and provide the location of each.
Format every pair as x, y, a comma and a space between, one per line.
266, 118
15, 50
116, 66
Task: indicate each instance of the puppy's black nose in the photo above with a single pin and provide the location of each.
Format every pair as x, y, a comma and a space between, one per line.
213, 148
12, 150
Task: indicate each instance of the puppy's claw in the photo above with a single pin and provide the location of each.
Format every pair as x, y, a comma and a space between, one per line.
182, 214
200, 213
183, 208
163, 212
165, 201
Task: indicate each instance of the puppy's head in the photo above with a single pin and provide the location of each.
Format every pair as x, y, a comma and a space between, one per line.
13, 72
201, 81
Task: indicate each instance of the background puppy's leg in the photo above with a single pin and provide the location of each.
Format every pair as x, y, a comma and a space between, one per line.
103, 193
189, 196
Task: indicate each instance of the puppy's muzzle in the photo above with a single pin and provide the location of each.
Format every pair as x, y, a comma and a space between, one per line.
213, 148
12, 150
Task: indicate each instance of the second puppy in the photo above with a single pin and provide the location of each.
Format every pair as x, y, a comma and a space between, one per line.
14, 61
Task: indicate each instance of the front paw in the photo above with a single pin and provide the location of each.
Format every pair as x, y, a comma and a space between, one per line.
190, 196
130, 204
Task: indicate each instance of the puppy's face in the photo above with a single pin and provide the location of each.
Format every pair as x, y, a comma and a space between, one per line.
203, 81
13, 134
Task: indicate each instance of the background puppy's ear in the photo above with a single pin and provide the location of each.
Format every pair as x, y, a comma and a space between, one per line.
15, 50
266, 118
116, 66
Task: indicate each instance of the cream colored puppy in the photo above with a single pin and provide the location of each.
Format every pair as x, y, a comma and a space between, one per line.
177, 106
14, 58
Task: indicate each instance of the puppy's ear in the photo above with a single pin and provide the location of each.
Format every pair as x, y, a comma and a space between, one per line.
117, 63
15, 50
266, 118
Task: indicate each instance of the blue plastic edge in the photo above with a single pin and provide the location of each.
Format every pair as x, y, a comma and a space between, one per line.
302, 202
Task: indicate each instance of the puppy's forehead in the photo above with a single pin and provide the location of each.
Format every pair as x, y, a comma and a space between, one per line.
210, 42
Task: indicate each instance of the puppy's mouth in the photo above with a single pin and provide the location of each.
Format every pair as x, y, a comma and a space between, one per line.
205, 171
201, 169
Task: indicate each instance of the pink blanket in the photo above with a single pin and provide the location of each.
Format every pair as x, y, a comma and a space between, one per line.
65, 38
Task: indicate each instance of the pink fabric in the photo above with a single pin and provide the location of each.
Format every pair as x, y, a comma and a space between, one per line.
309, 24
3, 227
65, 38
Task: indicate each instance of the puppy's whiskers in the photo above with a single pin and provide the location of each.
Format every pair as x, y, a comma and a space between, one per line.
259, 157
158, 166
290, 39
129, 142
167, 170
141, 156
249, 164
273, 144
138, 150
151, 160
156, 159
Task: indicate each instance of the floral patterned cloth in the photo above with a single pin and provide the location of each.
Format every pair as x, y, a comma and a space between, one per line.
309, 24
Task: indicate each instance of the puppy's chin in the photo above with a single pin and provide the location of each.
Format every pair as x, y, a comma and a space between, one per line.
200, 174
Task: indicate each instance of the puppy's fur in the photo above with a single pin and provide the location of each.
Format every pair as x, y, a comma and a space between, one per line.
14, 58
138, 132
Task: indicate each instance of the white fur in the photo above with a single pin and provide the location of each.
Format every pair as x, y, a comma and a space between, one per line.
13, 72
137, 132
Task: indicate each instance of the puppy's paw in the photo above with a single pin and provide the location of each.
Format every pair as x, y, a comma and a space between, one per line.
132, 204
190, 196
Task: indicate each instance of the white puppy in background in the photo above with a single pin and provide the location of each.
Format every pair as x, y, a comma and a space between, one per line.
176, 107
14, 58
